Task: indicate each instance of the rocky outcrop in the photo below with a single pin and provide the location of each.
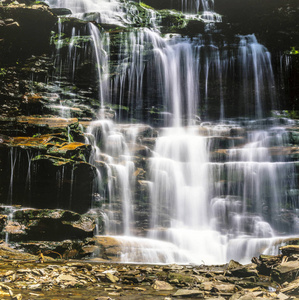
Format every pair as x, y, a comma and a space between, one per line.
24, 31
48, 225
47, 171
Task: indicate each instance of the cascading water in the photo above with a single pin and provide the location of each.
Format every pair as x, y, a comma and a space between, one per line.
217, 191
119, 168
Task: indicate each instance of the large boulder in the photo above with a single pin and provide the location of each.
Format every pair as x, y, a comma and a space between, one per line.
45, 181
286, 271
48, 225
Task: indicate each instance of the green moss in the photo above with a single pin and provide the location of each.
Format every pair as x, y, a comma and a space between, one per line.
292, 114
293, 51
118, 107
145, 5
3, 72
181, 278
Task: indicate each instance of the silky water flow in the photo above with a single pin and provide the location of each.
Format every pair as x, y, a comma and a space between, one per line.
215, 187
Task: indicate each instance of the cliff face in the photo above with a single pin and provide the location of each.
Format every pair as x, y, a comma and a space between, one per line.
47, 105
24, 31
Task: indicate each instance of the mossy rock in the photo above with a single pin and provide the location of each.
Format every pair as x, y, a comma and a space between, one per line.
181, 278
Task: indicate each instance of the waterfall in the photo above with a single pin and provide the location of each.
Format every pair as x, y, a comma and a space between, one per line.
220, 184
119, 169
194, 6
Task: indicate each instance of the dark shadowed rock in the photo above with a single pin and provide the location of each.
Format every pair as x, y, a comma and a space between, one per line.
61, 11
27, 34
49, 225
286, 271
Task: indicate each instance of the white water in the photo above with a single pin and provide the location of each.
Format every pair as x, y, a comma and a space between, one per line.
205, 211
120, 168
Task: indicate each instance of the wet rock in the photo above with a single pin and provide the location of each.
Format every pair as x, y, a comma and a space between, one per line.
54, 145
67, 249
286, 271
265, 263
15, 230
61, 11
27, 33
242, 271
7, 252
109, 248
65, 183
51, 225
138, 131
30, 126
289, 250
3, 219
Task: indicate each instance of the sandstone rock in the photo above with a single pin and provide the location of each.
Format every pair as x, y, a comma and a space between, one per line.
289, 250
233, 265
4, 294
162, 286
51, 122
200, 279
111, 277
291, 288
247, 296
15, 229
109, 247
189, 293
222, 287
286, 271
207, 286
244, 271
66, 278
265, 263
35, 287
66, 249
282, 296
54, 145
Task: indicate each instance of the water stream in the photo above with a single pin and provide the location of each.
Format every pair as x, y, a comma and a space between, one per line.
217, 189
